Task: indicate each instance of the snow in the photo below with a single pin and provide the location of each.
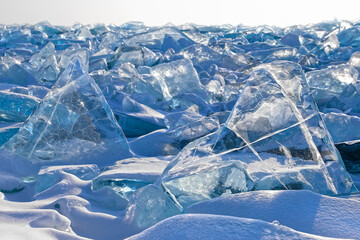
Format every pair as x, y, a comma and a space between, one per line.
207, 226
27, 221
303, 211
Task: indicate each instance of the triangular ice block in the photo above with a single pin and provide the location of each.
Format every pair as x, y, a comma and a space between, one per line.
72, 123
273, 139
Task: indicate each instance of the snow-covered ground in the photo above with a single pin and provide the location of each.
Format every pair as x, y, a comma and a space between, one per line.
252, 215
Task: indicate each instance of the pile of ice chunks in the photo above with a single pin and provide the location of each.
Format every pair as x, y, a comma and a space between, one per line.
274, 138
234, 108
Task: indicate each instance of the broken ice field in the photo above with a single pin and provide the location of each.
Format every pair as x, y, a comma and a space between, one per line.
155, 119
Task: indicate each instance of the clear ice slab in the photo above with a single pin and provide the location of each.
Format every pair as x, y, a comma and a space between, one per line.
45, 64
273, 139
176, 78
72, 123
148, 206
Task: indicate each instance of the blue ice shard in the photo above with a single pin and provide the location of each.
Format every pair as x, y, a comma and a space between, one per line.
139, 56
7, 131
36, 91
278, 53
136, 119
167, 85
73, 52
273, 139
72, 123
111, 40
166, 144
83, 33
98, 64
331, 82
342, 127
14, 73
349, 36
159, 39
45, 27
348, 101
45, 64
104, 53
292, 40
309, 62
355, 60
203, 57
148, 206
327, 48
16, 107
176, 78
98, 29
189, 125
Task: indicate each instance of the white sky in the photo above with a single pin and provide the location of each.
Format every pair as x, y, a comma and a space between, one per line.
160, 12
